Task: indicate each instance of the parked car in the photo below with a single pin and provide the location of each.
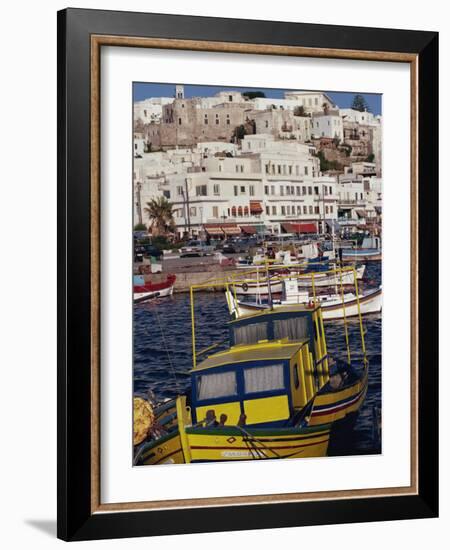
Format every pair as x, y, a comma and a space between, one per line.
238, 246
142, 251
196, 248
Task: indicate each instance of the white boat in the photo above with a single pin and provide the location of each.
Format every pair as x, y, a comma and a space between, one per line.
259, 286
148, 291
334, 306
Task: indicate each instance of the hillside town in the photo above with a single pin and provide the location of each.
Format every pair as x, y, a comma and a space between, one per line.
240, 163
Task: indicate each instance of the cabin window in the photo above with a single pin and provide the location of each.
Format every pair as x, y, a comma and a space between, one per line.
212, 386
260, 379
294, 329
250, 334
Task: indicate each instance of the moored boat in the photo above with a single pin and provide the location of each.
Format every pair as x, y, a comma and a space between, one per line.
273, 393
150, 290
334, 306
258, 284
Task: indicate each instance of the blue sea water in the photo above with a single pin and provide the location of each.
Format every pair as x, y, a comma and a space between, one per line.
163, 351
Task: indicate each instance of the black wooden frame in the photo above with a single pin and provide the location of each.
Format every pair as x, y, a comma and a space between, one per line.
75, 521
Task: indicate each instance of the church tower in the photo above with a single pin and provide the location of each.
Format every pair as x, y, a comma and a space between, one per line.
179, 91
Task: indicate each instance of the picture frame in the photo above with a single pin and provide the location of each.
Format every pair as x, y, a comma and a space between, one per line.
81, 35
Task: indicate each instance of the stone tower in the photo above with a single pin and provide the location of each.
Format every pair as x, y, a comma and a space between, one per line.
179, 91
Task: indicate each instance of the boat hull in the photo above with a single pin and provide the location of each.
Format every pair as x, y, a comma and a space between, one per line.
304, 281
333, 309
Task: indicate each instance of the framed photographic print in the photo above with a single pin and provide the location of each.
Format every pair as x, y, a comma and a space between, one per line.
247, 274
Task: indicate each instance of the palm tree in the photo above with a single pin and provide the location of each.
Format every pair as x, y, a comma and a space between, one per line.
160, 214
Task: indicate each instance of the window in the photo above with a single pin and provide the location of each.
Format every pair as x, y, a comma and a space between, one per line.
306, 170
217, 119
242, 189
295, 328
331, 190
230, 98
274, 210
246, 211
298, 190
267, 168
316, 190
288, 189
213, 386
290, 169
331, 209
201, 190
251, 190
179, 121
310, 209
215, 210
299, 209
166, 194
267, 123
279, 168
206, 119
233, 211
316, 210
303, 190
216, 189
239, 211
235, 190
326, 210
283, 210
193, 211
179, 190
250, 334
305, 210
260, 379
228, 119
266, 189
309, 190
281, 190
268, 210
272, 189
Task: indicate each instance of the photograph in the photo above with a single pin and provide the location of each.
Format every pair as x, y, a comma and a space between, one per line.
257, 273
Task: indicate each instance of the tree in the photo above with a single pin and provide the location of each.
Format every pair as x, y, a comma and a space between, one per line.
359, 103
140, 227
160, 214
300, 111
239, 133
252, 95
370, 158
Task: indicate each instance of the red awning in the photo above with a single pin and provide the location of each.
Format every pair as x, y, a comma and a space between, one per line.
249, 229
298, 227
288, 227
305, 227
255, 207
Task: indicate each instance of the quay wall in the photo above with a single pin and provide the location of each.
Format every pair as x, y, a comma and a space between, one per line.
186, 278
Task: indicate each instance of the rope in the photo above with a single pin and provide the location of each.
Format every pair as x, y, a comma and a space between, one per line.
172, 368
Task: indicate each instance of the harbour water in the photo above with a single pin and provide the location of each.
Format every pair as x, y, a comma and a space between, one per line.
163, 352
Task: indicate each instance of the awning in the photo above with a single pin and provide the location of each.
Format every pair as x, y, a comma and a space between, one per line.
231, 230
213, 229
305, 227
256, 207
360, 213
249, 229
288, 227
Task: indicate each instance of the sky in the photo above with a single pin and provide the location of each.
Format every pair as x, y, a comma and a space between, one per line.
144, 90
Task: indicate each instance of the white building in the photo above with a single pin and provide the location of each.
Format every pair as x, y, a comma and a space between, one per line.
361, 117
327, 125
150, 110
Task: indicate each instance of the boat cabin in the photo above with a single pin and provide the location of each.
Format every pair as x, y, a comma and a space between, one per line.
276, 364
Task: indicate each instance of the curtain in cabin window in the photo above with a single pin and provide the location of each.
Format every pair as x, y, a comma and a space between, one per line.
211, 386
294, 329
260, 379
250, 334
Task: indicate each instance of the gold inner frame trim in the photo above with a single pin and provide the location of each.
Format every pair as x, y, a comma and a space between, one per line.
97, 41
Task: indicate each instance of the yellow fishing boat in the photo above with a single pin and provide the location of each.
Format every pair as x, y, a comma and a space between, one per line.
274, 392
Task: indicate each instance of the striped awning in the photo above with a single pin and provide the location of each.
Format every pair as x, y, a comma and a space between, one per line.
300, 227
213, 229
256, 207
231, 230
